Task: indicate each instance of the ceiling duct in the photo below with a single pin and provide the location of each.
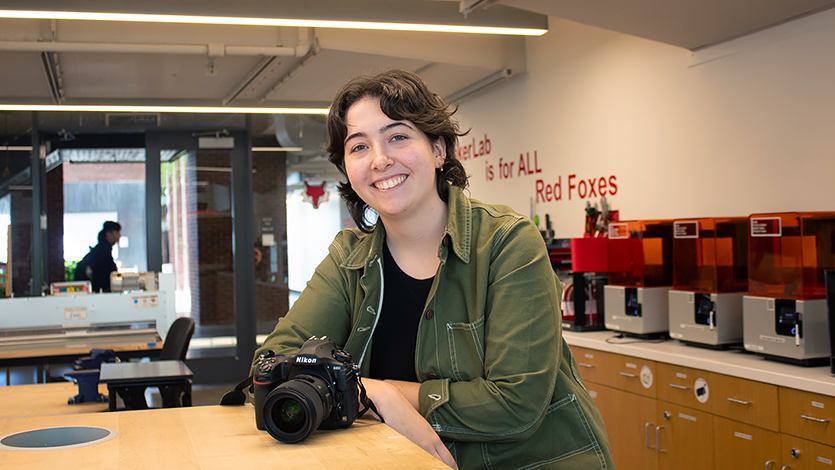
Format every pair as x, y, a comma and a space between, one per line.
301, 130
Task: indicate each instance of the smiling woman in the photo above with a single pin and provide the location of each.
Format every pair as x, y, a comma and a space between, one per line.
445, 301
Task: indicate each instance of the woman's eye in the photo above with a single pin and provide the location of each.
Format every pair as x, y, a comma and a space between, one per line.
358, 148
398, 137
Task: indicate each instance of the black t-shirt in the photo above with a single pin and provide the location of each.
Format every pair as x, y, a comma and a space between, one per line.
393, 346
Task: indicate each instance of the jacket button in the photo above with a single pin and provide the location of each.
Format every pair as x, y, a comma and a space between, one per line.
432, 376
430, 314
446, 241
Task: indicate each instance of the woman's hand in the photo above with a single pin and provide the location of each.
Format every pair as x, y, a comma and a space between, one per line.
401, 416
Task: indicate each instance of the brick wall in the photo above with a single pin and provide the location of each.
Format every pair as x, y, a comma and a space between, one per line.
200, 244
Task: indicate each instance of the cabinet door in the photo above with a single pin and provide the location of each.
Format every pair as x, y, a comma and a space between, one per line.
630, 423
633, 374
800, 454
745, 400
742, 446
685, 438
807, 415
593, 364
684, 386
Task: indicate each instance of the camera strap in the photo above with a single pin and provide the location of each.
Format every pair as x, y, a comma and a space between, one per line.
236, 396
366, 402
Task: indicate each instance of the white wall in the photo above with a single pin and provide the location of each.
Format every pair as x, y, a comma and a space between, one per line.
744, 127
309, 235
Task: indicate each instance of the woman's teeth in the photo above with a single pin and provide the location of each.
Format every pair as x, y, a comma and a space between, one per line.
390, 183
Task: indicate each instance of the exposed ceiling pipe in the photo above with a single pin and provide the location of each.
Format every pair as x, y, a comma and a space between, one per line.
213, 50
500, 76
49, 60
468, 6
302, 48
52, 68
314, 50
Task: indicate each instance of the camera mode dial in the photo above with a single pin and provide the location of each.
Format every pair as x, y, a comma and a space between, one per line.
341, 356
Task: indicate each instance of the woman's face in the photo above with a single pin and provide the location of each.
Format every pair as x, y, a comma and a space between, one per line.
390, 164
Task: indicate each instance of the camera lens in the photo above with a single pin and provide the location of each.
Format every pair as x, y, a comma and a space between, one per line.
296, 408
289, 415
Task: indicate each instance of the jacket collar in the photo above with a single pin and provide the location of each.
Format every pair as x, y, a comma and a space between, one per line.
459, 225
458, 231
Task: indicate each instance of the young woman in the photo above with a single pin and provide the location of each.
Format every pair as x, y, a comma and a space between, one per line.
448, 305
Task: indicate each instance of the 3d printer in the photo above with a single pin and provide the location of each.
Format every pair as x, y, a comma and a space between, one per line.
710, 277
640, 276
583, 299
784, 313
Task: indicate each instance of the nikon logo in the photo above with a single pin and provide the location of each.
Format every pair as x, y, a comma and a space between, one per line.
306, 360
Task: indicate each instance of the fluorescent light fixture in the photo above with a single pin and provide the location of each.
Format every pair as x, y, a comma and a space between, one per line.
160, 109
16, 148
243, 21
277, 149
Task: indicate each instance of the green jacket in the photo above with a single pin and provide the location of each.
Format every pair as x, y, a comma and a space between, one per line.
498, 383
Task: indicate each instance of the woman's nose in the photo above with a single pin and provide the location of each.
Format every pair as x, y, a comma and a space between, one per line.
380, 160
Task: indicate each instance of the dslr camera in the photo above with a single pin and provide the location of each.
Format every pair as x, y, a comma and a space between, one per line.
315, 389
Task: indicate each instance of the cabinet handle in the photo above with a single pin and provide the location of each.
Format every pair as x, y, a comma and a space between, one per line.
736, 400
769, 464
589, 366
786, 467
812, 418
631, 376
679, 387
646, 436
658, 441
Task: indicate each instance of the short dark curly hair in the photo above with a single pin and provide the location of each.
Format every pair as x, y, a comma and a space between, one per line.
403, 96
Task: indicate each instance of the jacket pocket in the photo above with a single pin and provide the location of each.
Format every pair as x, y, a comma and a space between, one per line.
466, 349
564, 440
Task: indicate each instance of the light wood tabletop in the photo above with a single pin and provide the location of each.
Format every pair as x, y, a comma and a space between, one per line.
21, 401
14, 357
213, 437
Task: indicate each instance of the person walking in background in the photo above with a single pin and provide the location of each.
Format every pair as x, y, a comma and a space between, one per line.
97, 265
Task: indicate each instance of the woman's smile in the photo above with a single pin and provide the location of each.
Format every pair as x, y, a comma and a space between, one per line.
390, 183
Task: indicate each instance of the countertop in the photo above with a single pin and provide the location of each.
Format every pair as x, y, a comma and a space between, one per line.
737, 363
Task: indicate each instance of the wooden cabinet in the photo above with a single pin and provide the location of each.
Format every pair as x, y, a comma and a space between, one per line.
684, 386
742, 446
593, 364
630, 423
614, 370
669, 417
633, 375
807, 415
745, 400
800, 454
685, 438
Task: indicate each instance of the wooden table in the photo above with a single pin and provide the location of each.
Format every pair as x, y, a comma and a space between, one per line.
214, 437
44, 357
13, 358
21, 401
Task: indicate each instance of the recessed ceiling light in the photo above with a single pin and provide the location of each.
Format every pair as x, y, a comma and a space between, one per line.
277, 149
288, 22
160, 109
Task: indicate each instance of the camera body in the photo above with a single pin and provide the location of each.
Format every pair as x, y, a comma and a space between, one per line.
318, 388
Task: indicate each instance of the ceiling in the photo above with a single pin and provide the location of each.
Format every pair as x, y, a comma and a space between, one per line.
98, 62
